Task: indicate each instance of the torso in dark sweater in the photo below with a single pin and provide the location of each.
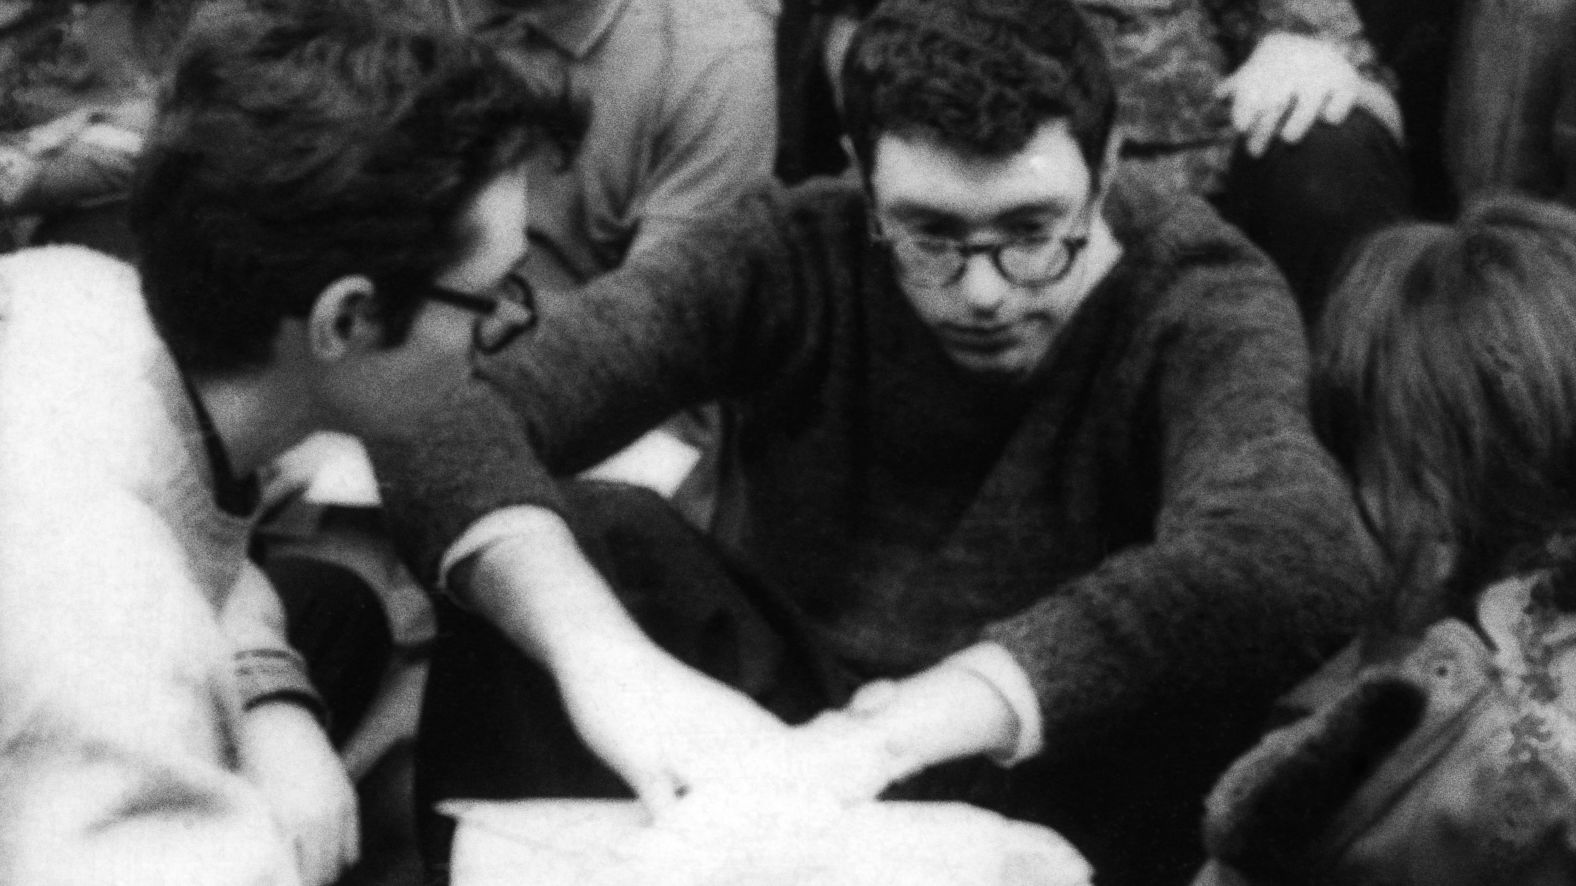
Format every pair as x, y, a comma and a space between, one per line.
1147, 515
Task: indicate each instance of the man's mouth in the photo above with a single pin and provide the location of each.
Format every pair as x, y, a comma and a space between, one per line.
980, 339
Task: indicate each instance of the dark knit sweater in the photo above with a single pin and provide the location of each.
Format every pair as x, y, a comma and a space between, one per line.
1146, 523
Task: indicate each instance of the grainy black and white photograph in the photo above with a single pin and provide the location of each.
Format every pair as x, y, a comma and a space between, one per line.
787, 442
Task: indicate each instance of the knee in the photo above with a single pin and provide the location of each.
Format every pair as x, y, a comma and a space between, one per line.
1338, 174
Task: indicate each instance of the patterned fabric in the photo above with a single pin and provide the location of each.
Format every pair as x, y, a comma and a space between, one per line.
1479, 787
1168, 56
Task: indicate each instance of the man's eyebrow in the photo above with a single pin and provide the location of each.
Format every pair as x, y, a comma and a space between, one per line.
908, 211
1036, 210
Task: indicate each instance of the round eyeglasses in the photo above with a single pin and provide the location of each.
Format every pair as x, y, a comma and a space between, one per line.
503, 312
933, 262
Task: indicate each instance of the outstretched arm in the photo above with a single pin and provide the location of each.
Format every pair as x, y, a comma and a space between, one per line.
664, 727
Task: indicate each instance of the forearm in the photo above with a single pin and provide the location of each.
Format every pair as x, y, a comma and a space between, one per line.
267, 669
539, 590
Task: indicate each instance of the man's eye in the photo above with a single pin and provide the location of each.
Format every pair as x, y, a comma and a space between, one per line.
931, 245
1038, 240
1028, 231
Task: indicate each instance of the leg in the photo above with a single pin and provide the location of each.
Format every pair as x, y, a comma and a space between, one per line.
1306, 204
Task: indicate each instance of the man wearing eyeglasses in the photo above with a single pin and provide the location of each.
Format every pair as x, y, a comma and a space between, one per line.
311, 257
1024, 473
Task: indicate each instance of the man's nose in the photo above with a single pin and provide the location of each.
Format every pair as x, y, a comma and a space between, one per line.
983, 287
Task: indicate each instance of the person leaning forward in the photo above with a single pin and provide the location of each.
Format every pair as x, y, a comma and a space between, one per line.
1025, 483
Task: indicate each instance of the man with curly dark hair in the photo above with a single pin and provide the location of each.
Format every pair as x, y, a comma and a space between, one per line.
1024, 473
330, 207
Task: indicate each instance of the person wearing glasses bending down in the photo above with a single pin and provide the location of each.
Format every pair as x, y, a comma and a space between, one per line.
153, 727
1025, 474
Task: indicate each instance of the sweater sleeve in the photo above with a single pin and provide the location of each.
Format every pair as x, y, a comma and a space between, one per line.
1253, 572
725, 307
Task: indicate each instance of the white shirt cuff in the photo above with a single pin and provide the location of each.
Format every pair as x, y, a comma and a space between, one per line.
992, 663
496, 526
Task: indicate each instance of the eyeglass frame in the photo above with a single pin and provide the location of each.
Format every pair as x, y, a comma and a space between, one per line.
1072, 246
492, 330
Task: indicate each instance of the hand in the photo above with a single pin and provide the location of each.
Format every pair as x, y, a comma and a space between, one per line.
667, 729
890, 730
286, 754
1289, 83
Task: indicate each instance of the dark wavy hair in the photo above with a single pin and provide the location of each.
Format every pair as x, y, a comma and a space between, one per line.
1445, 382
300, 141
977, 76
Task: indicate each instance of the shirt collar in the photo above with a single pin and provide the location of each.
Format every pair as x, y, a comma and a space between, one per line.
574, 29
236, 496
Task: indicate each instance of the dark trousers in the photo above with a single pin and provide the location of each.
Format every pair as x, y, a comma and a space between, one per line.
493, 727
1308, 204
338, 625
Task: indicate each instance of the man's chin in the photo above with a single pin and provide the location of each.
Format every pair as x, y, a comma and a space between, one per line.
1004, 368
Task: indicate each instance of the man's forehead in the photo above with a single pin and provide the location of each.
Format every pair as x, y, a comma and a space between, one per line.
919, 175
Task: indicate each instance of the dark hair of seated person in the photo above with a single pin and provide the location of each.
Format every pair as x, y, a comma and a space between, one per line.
1445, 383
977, 76
301, 141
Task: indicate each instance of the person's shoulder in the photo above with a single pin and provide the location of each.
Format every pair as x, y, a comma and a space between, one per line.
1175, 227
1178, 246
700, 28
70, 281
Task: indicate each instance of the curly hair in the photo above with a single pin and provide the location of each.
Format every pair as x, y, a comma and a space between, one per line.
977, 76
1445, 382
300, 141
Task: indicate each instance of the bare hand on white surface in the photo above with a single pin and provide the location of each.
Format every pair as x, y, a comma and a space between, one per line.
667, 729
1290, 82
287, 755
890, 730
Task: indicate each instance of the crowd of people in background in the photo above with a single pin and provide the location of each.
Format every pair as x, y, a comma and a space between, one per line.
1150, 419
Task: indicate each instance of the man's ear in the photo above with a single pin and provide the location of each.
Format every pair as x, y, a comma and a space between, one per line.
344, 319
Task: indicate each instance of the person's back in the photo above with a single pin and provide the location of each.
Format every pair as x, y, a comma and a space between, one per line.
1440, 749
683, 119
115, 672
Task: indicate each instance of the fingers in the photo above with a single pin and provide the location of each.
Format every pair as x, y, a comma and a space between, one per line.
1338, 106
659, 792
1263, 126
1257, 114
1305, 111
1378, 101
316, 864
325, 849
350, 845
